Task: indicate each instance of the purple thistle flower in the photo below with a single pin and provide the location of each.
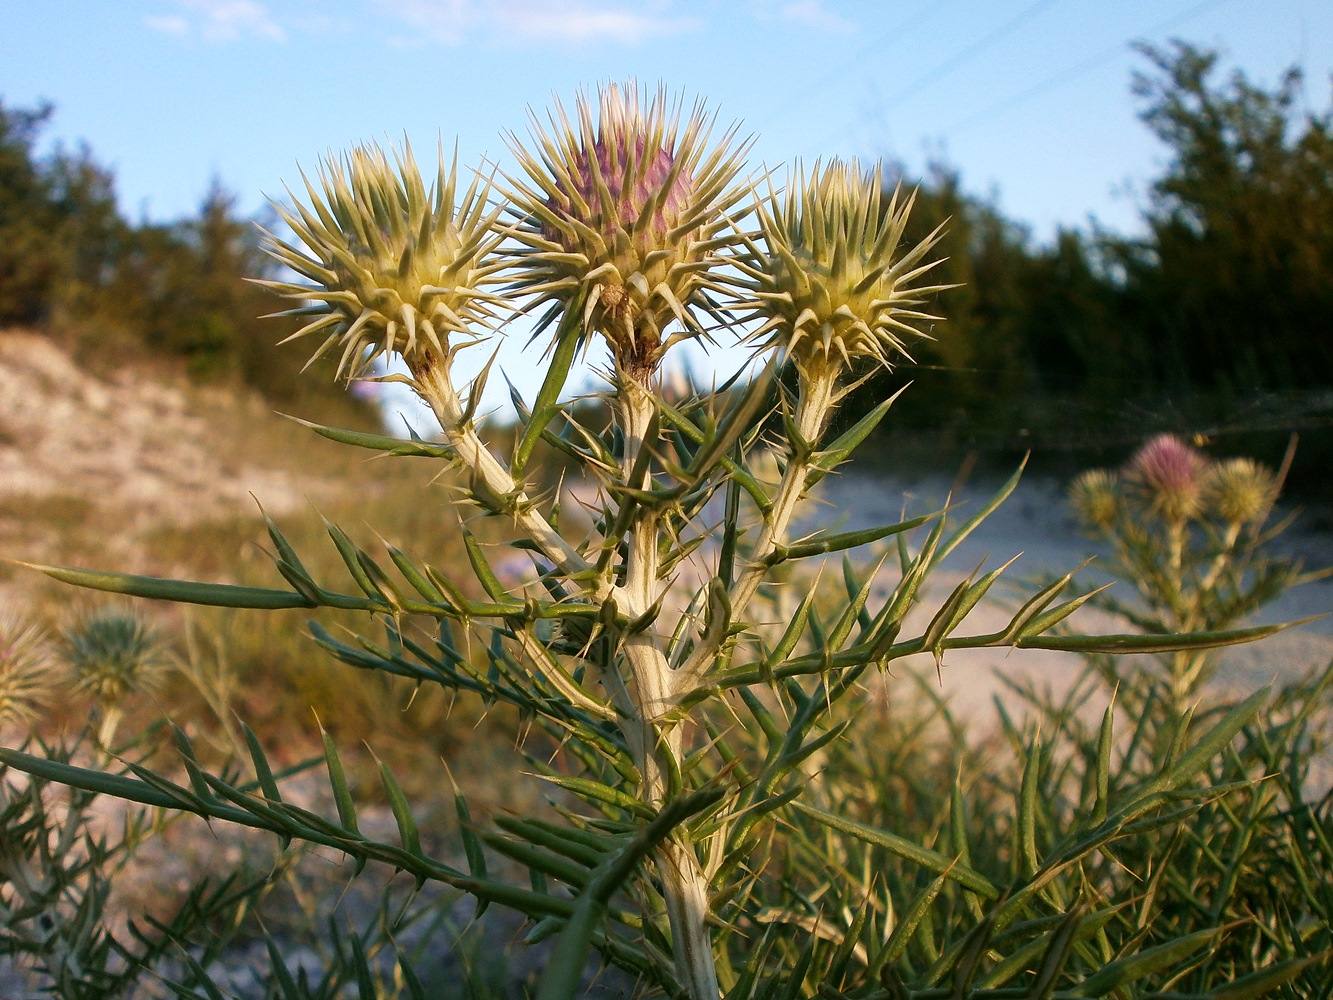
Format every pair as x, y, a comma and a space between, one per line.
1168, 476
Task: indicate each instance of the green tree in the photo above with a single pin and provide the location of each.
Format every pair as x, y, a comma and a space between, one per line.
976, 362
1233, 287
60, 233
29, 253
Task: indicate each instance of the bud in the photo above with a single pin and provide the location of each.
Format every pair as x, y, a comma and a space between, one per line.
394, 266
113, 656
1095, 498
1167, 476
629, 212
1240, 490
831, 287
25, 671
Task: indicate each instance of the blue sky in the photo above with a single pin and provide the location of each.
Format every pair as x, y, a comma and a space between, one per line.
1029, 99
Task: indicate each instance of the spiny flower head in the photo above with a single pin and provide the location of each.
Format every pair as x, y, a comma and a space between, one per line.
830, 285
113, 655
1240, 490
394, 265
1168, 477
26, 682
626, 213
1095, 497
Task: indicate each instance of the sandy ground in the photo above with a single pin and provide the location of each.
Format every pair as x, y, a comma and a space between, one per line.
139, 444
1034, 524
91, 466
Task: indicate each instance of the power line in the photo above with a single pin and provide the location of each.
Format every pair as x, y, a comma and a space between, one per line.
899, 31
969, 53
1077, 70
964, 55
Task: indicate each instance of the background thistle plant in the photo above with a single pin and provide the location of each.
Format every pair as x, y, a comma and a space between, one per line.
1166, 477
1240, 491
1189, 534
27, 679
113, 657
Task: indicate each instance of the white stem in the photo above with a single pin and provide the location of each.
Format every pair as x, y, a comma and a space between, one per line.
684, 885
686, 891
431, 374
812, 410
814, 404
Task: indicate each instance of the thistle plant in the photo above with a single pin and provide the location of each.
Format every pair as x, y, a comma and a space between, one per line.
112, 657
1191, 534
26, 683
681, 719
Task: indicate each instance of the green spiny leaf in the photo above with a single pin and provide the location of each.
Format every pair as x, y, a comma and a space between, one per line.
841, 449
898, 941
408, 832
481, 567
1027, 810
217, 595
342, 792
378, 442
568, 336
820, 543
906, 849
1147, 962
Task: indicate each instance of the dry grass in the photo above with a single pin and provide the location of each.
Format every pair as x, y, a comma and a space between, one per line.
201, 522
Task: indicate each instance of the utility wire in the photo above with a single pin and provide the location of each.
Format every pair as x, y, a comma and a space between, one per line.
1077, 70
899, 31
969, 53
962, 56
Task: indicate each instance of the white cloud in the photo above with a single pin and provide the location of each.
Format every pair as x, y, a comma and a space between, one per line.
448, 21
812, 12
575, 21
169, 24
220, 21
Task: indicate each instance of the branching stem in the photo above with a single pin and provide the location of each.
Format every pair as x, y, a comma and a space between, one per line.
430, 372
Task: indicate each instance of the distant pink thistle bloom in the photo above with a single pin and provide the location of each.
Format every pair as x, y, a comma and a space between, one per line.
1169, 475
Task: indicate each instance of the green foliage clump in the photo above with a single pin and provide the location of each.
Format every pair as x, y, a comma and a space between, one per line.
715, 825
1232, 286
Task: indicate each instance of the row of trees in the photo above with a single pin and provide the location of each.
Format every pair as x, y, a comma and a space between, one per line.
72, 266
1225, 301
1222, 310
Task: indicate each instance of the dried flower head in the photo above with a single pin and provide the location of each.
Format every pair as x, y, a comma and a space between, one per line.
113, 655
393, 264
831, 286
1095, 498
26, 682
1240, 490
628, 213
1167, 476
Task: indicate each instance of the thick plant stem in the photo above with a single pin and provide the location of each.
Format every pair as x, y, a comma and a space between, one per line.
812, 410
684, 885
686, 891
